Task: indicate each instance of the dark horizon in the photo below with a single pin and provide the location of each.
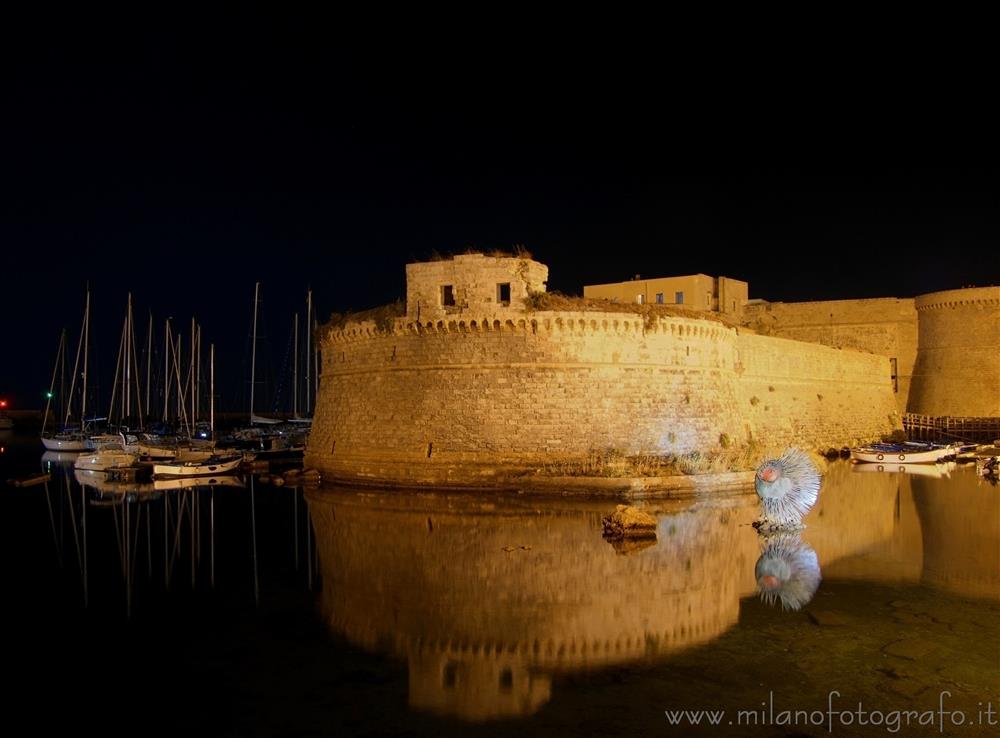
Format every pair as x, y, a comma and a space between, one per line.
186, 167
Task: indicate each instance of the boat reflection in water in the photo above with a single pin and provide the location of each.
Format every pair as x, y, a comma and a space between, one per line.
489, 597
160, 528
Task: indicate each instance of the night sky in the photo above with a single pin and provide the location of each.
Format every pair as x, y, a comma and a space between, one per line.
187, 165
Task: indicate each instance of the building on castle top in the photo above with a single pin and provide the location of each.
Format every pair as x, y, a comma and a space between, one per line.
695, 291
471, 283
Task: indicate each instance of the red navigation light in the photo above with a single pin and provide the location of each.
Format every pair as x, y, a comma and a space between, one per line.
3, 403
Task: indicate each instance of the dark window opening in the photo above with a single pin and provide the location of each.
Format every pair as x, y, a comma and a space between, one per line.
679, 298
503, 293
659, 297
506, 680
447, 294
892, 371
450, 675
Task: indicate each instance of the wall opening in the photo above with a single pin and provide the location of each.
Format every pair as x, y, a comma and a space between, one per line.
679, 298
430, 449
447, 294
893, 372
659, 298
506, 680
450, 675
503, 293
640, 298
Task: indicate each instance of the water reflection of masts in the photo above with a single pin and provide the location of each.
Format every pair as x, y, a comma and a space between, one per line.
187, 504
253, 540
79, 531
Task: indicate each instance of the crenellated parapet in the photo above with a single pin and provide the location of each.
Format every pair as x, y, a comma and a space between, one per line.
533, 322
976, 298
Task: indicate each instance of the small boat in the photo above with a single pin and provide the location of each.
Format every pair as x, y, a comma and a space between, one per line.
212, 466
5, 420
988, 466
901, 453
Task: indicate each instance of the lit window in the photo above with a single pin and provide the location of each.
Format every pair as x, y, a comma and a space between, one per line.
640, 298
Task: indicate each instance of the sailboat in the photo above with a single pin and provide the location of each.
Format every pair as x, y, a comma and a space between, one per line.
70, 438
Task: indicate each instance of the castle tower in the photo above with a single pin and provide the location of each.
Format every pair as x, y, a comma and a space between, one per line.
957, 371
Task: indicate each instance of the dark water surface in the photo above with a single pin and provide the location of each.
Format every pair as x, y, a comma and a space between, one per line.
258, 610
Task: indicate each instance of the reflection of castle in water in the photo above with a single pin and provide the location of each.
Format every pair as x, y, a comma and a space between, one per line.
482, 627
488, 598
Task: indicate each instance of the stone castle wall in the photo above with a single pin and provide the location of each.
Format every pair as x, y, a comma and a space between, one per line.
885, 326
957, 370
475, 399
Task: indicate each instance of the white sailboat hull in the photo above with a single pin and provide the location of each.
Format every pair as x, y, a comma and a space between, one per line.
66, 443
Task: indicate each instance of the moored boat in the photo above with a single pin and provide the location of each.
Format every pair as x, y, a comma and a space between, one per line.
901, 453
212, 466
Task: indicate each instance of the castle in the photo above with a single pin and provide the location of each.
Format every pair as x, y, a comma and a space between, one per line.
479, 383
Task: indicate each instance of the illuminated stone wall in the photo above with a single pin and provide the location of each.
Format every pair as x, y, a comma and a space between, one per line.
480, 396
885, 326
957, 369
794, 392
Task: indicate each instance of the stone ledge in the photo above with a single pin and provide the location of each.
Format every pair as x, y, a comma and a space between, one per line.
633, 488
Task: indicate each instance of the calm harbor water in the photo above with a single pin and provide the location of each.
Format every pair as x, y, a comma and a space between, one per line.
259, 610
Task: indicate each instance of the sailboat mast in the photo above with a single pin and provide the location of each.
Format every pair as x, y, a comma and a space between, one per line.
135, 363
192, 387
119, 373
315, 327
149, 358
253, 352
52, 384
211, 416
295, 368
309, 307
127, 407
86, 342
166, 370
197, 377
